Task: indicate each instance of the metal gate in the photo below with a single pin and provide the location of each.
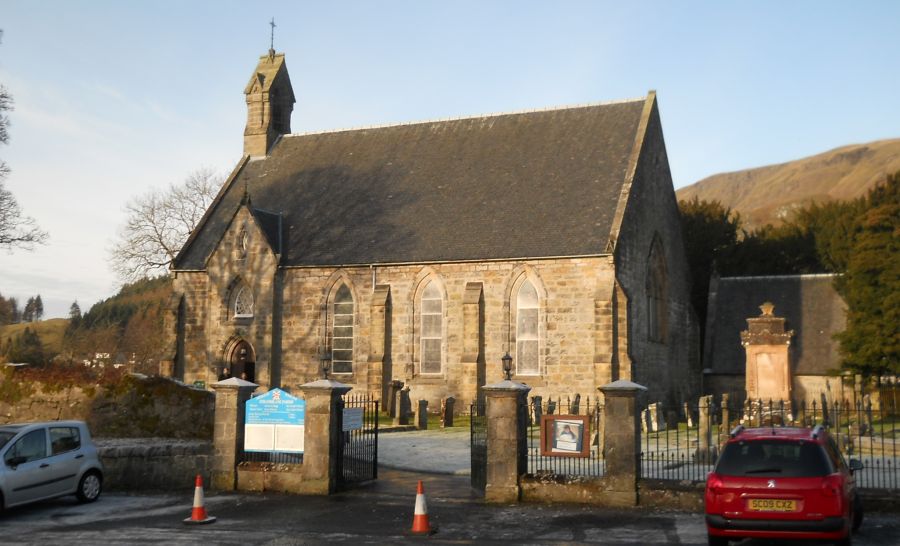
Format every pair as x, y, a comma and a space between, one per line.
357, 459
478, 444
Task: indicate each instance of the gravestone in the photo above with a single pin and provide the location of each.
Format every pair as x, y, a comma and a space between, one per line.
422, 415
536, 409
551, 406
671, 419
656, 419
576, 405
447, 408
391, 403
403, 407
688, 415
705, 453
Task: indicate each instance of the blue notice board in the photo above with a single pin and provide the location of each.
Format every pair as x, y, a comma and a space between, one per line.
274, 422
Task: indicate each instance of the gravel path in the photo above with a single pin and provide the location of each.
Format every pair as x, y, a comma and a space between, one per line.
436, 451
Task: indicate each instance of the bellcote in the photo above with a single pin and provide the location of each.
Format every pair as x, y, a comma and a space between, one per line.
270, 101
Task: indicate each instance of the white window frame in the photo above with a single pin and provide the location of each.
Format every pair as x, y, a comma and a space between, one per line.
521, 306
243, 302
437, 296
335, 326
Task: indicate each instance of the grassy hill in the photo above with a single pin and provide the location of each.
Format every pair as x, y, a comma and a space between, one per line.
767, 195
50, 331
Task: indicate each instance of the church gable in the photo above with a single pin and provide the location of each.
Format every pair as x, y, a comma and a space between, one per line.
245, 249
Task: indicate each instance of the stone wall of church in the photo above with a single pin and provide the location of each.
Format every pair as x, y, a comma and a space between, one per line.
670, 368
475, 336
211, 330
577, 323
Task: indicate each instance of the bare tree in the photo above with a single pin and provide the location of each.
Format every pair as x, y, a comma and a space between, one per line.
159, 223
16, 231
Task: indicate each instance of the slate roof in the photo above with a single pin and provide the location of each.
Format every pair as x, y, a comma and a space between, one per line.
534, 184
809, 303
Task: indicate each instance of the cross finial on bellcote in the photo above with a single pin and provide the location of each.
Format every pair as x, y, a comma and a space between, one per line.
272, 38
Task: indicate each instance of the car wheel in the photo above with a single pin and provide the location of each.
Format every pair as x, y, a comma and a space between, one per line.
90, 486
716, 541
857, 513
846, 541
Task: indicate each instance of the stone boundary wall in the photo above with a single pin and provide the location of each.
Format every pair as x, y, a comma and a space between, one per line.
136, 406
154, 463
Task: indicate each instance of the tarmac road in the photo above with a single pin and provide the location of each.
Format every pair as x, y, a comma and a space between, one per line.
379, 513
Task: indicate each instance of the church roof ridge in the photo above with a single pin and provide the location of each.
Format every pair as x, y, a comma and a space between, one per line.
778, 277
468, 117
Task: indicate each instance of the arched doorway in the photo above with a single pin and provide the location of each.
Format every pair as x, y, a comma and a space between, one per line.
243, 361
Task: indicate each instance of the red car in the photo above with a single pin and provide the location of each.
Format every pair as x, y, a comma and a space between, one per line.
782, 483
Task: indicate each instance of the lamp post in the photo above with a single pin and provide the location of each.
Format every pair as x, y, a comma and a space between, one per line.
507, 366
325, 360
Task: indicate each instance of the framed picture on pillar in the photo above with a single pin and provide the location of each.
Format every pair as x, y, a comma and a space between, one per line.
565, 436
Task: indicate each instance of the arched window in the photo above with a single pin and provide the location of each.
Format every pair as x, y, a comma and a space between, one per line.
243, 302
431, 336
342, 331
657, 294
527, 333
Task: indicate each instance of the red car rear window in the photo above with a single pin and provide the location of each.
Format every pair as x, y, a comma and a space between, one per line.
772, 458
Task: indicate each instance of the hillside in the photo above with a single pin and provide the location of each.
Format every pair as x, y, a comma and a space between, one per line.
767, 195
50, 331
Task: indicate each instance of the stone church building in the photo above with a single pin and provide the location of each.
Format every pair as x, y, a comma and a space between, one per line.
423, 252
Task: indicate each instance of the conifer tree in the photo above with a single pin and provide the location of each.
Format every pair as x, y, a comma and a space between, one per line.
871, 285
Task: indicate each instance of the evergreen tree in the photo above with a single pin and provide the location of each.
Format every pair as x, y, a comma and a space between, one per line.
28, 312
26, 348
711, 233
38, 308
6, 311
871, 286
14, 310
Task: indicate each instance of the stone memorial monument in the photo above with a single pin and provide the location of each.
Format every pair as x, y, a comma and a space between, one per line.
766, 342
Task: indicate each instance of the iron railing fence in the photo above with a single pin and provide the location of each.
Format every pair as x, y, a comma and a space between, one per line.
478, 445
593, 465
358, 459
683, 444
275, 457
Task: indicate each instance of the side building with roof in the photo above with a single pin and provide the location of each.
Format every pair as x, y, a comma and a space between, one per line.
424, 252
813, 311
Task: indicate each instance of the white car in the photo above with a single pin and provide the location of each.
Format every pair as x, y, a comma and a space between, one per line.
46, 460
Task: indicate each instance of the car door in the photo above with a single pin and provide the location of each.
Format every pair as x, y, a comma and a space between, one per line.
66, 458
27, 468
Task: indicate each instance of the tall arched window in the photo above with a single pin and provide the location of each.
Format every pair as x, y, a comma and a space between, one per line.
657, 294
342, 331
243, 302
431, 336
527, 336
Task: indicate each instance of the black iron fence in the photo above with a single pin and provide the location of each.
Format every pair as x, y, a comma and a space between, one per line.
271, 457
683, 443
358, 457
478, 445
590, 462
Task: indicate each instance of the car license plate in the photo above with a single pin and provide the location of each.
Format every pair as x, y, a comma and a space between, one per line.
772, 505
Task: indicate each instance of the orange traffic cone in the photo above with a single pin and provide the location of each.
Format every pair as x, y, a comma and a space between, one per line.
420, 514
198, 513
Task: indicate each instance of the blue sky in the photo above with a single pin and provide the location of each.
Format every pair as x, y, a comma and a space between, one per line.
114, 98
